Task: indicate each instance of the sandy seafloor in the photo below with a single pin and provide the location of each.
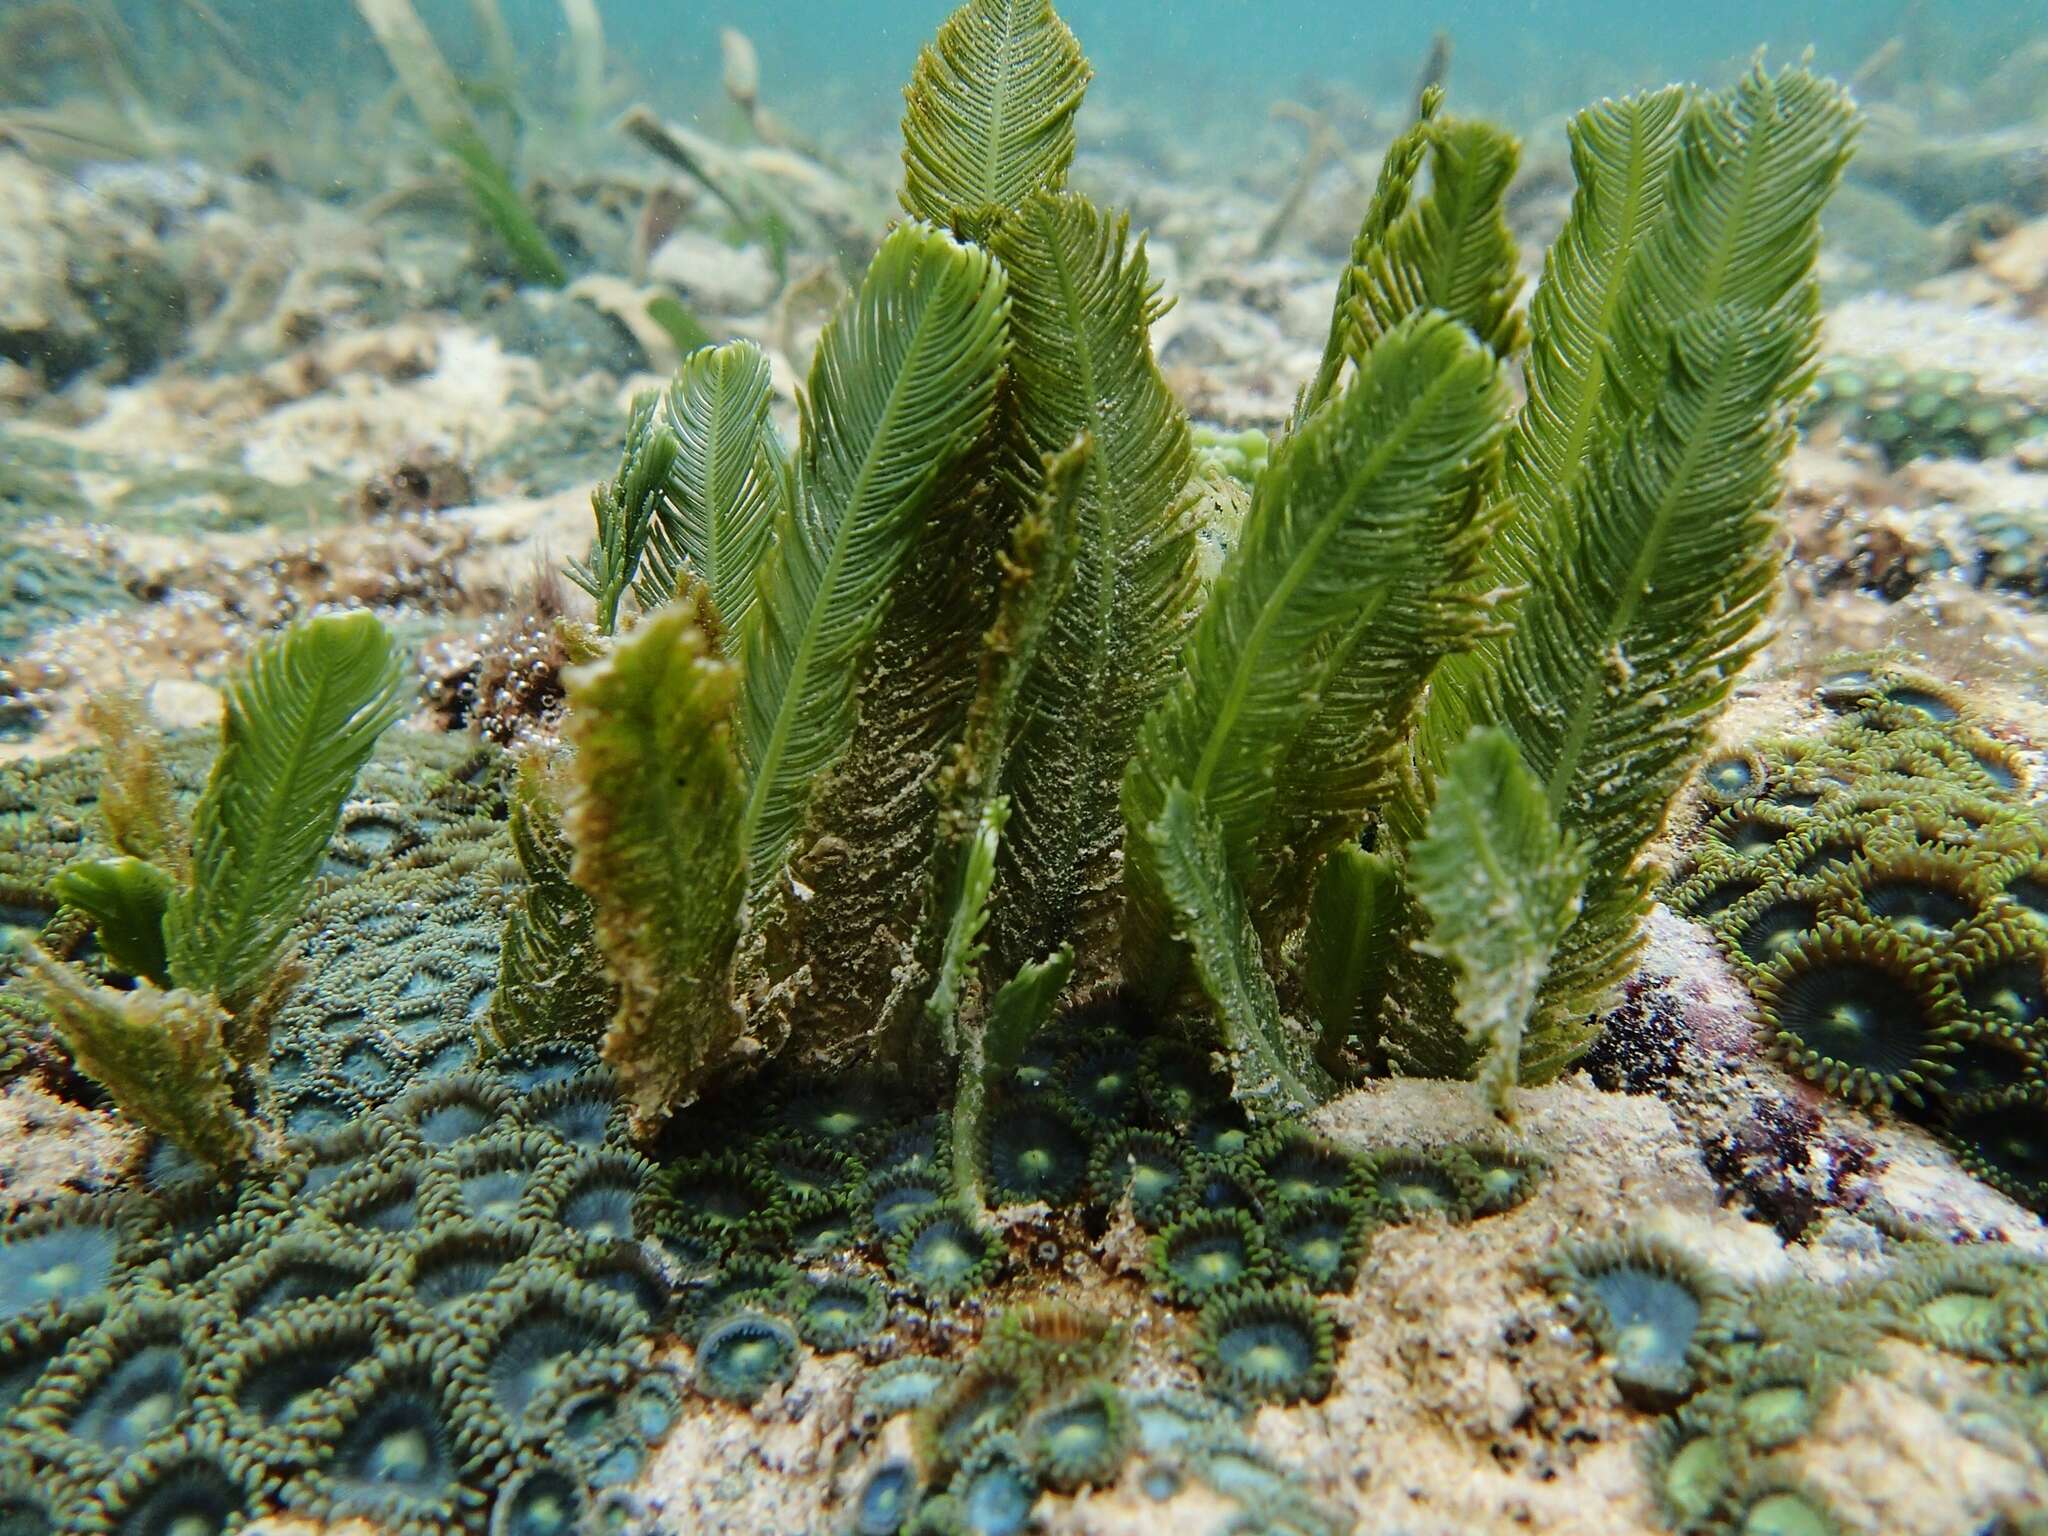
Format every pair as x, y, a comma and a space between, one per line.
348, 411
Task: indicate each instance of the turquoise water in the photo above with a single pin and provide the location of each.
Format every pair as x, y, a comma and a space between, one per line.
836, 66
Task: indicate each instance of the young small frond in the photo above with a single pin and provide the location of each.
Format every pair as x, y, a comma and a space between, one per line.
1021, 1008
136, 799
625, 508
551, 977
163, 1056
654, 818
1082, 302
963, 946
126, 898
1347, 584
1272, 1064
300, 721
989, 114
727, 485
902, 389
1500, 884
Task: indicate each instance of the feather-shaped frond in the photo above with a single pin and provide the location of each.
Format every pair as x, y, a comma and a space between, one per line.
1326, 618
1623, 654
1081, 307
1035, 572
902, 387
1391, 194
889, 884
1451, 250
1621, 152
864, 912
653, 815
551, 978
299, 723
1753, 169
1272, 1066
1638, 492
989, 114
126, 898
1500, 883
725, 489
625, 508
163, 1056
1682, 204
1368, 686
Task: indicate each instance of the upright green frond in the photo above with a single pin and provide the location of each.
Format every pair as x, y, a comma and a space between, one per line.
860, 920
1082, 302
300, 721
1621, 153
126, 899
1682, 204
654, 818
1752, 171
1640, 474
625, 508
1353, 920
551, 978
1390, 198
1622, 656
163, 1056
1344, 589
1500, 883
902, 388
1034, 572
1668, 578
890, 884
1272, 1064
1021, 1008
989, 115
725, 487
1452, 250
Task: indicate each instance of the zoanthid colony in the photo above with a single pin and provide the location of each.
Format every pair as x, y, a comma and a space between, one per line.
1882, 886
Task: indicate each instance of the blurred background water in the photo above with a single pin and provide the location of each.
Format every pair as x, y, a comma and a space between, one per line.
841, 62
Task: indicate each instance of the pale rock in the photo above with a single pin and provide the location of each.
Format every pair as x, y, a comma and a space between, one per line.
179, 704
711, 276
